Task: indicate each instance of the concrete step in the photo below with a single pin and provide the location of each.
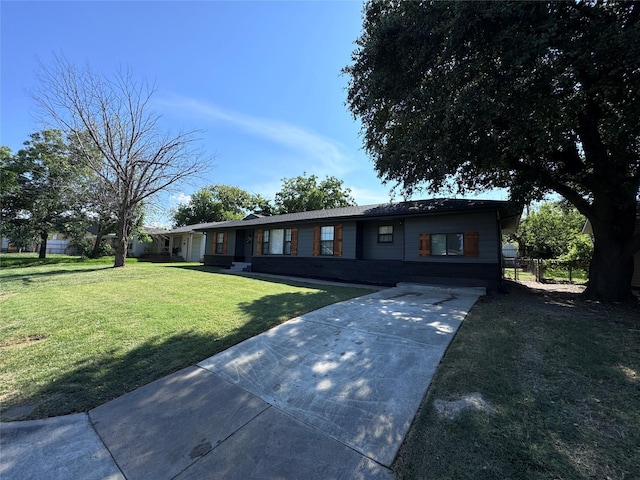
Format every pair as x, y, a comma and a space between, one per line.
240, 267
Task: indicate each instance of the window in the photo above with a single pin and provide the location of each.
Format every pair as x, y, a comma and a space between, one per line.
326, 240
265, 242
276, 242
385, 234
288, 237
279, 241
220, 243
447, 244
450, 244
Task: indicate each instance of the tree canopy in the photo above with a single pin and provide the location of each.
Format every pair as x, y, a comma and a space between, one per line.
550, 231
304, 193
39, 189
215, 203
530, 96
218, 203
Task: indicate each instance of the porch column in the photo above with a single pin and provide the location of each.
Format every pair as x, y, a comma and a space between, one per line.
189, 247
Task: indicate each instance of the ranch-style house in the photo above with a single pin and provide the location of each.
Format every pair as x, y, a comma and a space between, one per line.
444, 241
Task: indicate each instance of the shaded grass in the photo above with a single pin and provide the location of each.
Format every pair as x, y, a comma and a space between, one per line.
17, 260
74, 335
564, 378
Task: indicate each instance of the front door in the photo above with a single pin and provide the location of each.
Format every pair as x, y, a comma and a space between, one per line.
238, 255
248, 246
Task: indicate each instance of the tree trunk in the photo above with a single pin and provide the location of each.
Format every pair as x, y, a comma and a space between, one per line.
43, 245
95, 253
96, 245
611, 268
124, 229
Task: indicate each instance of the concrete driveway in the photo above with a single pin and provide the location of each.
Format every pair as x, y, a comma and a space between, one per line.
330, 394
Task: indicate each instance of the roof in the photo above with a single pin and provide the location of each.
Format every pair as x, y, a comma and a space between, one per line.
188, 228
152, 231
508, 211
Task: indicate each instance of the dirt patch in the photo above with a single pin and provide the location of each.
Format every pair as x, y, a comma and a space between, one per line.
451, 409
22, 341
565, 300
553, 287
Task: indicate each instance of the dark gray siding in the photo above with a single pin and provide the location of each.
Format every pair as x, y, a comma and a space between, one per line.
349, 240
382, 272
305, 239
364, 260
485, 223
224, 261
372, 250
210, 238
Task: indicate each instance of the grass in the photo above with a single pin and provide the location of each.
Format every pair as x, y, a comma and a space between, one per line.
551, 274
563, 377
562, 374
75, 334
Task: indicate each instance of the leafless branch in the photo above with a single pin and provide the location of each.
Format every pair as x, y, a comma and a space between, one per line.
112, 115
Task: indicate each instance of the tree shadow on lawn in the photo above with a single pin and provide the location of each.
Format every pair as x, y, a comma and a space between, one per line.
324, 285
559, 301
561, 372
9, 261
27, 276
96, 380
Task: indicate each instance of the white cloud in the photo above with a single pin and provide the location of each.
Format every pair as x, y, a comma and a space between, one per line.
322, 154
365, 196
178, 198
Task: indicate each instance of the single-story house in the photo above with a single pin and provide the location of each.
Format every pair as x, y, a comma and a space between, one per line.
57, 243
445, 241
179, 244
187, 242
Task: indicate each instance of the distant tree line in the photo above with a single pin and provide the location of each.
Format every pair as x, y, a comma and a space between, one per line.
217, 203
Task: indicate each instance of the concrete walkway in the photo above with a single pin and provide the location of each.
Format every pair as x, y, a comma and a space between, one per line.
330, 394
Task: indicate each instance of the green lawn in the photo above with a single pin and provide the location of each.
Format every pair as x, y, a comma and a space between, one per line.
550, 274
562, 375
75, 334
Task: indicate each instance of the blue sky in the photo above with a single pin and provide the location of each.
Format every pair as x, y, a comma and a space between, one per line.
261, 79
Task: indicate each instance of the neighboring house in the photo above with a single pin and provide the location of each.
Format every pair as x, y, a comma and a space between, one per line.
57, 243
187, 242
444, 241
179, 244
158, 246
635, 280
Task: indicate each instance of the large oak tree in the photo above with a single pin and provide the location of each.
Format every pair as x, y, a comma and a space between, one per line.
531, 96
112, 115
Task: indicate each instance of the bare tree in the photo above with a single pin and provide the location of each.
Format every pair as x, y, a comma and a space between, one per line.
113, 116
